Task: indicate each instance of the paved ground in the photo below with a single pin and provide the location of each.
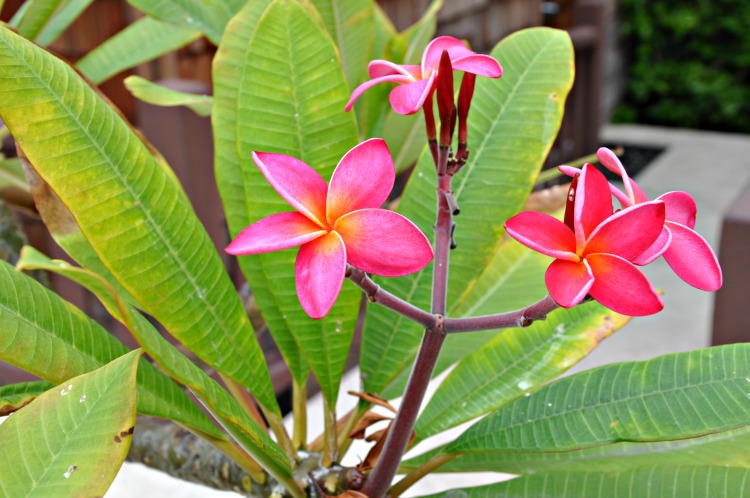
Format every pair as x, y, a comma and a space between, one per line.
712, 167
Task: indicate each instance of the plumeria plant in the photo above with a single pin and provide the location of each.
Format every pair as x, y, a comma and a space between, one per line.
307, 151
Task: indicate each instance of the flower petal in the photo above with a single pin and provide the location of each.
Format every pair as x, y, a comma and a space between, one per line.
656, 250
319, 271
274, 233
363, 179
383, 242
621, 287
568, 282
432, 53
482, 65
680, 208
409, 98
380, 68
543, 233
593, 203
619, 195
692, 259
628, 233
610, 161
300, 185
396, 78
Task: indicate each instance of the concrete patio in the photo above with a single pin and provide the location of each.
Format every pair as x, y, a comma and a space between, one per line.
713, 167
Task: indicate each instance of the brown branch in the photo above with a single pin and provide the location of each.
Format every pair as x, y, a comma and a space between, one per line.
519, 318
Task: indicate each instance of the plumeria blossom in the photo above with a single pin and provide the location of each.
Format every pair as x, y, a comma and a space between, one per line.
335, 224
417, 82
594, 248
686, 252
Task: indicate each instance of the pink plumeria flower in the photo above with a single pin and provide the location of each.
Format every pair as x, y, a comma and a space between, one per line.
593, 249
416, 82
335, 224
686, 252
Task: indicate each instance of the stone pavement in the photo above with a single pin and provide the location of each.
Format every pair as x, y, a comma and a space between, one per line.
712, 167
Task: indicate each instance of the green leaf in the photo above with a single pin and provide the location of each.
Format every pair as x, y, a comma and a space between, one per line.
64, 228
512, 126
728, 449
514, 362
351, 25
225, 408
153, 93
671, 397
210, 17
279, 88
71, 440
63, 17
34, 16
664, 481
129, 208
49, 337
16, 396
140, 42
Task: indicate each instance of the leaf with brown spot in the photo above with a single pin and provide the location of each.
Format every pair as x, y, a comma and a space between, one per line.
66, 434
15, 396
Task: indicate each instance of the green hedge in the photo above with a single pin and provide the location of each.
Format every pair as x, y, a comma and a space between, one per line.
689, 63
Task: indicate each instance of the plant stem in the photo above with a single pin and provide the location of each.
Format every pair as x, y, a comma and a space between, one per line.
349, 421
415, 475
330, 440
218, 464
385, 298
380, 479
299, 409
277, 426
519, 318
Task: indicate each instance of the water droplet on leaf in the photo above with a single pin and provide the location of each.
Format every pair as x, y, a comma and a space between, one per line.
71, 469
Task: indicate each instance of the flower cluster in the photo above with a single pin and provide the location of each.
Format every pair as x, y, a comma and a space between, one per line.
416, 83
596, 250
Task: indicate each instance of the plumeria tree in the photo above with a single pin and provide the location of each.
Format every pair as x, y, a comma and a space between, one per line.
307, 151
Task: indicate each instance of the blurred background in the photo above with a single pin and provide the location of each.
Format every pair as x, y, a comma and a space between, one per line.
665, 79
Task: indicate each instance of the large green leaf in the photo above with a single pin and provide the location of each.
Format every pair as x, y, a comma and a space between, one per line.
210, 17
351, 25
49, 337
663, 481
512, 125
67, 12
72, 440
15, 396
34, 15
129, 208
728, 448
279, 88
144, 40
225, 408
514, 362
160, 95
63, 227
671, 397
